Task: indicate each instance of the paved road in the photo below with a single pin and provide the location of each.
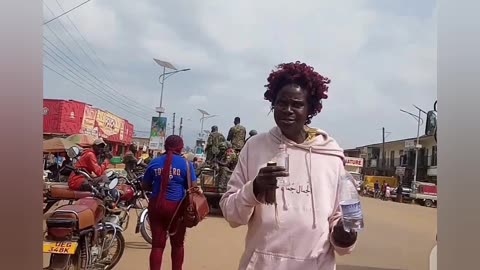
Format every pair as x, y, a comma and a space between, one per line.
397, 237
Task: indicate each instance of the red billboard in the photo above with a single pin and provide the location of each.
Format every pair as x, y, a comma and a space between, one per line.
73, 117
62, 117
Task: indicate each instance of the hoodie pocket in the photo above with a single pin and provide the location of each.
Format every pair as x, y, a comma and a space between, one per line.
271, 261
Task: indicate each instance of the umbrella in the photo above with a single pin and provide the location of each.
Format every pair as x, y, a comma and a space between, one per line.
82, 140
56, 145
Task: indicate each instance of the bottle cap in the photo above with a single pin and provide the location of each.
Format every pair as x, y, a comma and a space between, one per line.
271, 163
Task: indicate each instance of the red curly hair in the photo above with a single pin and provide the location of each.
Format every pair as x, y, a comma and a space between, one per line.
302, 75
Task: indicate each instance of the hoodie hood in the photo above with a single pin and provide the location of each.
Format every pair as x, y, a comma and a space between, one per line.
320, 143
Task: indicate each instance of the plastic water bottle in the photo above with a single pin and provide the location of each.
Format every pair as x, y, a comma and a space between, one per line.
350, 204
282, 159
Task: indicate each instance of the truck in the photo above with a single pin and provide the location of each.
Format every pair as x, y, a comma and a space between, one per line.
425, 194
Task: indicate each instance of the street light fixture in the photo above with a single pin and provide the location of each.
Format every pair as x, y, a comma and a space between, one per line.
163, 77
417, 145
205, 115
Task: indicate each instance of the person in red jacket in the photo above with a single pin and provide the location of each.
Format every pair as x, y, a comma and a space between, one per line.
88, 162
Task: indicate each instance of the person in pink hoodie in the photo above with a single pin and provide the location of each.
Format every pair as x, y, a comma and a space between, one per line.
304, 230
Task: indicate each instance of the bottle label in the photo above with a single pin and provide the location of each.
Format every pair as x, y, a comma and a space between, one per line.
351, 209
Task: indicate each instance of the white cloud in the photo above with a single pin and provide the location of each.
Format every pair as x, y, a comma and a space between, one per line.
99, 24
197, 100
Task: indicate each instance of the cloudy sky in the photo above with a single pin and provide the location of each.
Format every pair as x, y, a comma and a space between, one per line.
380, 56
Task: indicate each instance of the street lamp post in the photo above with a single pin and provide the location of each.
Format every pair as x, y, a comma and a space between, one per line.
163, 77
205, 115
417, 144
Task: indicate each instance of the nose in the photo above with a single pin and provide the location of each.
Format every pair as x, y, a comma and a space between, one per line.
288, 109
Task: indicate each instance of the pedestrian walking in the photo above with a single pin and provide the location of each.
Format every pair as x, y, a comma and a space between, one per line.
376, 189
388, 190
306, 228
383, 191
167, 178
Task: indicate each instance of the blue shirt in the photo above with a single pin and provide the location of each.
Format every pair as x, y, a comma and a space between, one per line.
178, 183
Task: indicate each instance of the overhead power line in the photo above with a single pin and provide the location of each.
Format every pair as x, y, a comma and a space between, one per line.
93, 92
131, 103
81, 76
81, 79
66, 12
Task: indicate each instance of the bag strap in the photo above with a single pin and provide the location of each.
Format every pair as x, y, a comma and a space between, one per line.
189, 183
189, 174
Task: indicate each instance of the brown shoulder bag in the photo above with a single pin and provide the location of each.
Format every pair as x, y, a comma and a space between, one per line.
194, 207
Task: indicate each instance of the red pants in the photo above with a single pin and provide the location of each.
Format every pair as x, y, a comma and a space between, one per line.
160, 218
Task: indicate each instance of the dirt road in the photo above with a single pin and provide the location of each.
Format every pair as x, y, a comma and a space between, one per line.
397, 236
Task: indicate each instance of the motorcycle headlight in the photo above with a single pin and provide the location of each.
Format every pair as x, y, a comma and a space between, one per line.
114, 194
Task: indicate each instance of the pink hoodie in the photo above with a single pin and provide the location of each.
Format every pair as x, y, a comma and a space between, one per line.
307, 209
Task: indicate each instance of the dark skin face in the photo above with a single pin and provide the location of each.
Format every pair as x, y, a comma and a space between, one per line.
98, 149
291, 112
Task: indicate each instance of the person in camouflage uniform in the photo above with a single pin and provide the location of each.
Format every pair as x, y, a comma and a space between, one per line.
232, 156
214, 140
236, 135
252, 133
223, 166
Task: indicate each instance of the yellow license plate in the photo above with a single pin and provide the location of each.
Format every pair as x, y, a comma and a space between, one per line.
60, 247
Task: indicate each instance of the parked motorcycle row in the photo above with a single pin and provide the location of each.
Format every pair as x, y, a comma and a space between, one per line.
87, 232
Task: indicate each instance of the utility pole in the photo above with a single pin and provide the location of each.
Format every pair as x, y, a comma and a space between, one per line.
417, 144
181, 127
173, 127
383, 149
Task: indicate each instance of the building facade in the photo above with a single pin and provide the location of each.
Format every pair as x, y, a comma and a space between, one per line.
400, 153
62, 118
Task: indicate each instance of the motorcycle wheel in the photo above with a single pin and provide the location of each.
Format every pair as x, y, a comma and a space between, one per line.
146, 232
118, 252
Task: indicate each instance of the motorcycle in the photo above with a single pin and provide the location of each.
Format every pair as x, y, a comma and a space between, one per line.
79, 236
56, 193
131, 198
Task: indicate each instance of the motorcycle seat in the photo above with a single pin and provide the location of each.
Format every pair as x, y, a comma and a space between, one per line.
86, 217
63, 192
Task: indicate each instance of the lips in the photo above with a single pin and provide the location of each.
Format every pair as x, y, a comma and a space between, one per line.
288, 121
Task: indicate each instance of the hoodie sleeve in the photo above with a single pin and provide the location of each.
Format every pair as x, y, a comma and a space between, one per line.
239, 202
335, 218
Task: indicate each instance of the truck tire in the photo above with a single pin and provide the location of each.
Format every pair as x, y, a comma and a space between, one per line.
429, 203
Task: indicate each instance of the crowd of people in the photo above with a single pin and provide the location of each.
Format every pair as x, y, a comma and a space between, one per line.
300, 230
222, 153
57, 165
306, 231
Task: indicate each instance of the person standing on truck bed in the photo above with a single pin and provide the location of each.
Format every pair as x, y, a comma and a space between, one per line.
236, 135
213, 143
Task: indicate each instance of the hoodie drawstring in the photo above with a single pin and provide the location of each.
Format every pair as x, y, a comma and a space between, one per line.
311, 187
